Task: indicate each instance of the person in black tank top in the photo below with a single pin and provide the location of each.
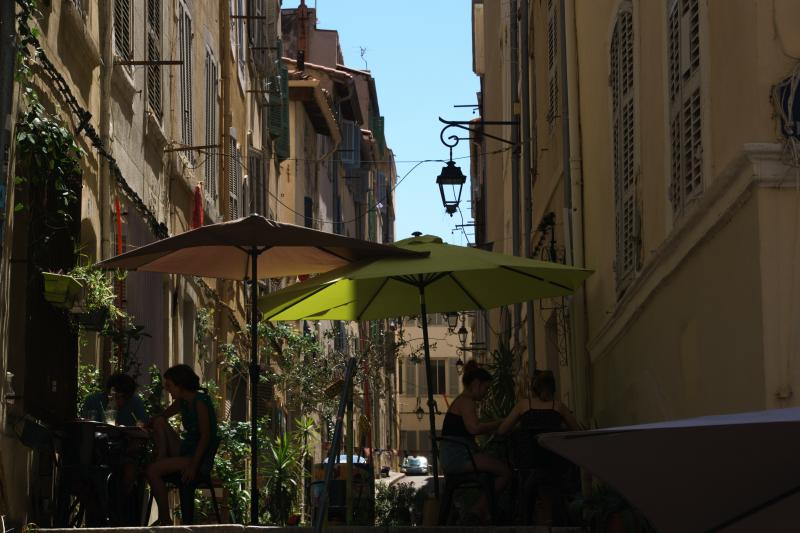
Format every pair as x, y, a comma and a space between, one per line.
459, 428
532, 416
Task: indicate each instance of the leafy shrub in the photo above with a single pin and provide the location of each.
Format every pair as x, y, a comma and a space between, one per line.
394, 504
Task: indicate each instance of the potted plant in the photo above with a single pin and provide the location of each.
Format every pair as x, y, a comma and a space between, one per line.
96, 308
60, 289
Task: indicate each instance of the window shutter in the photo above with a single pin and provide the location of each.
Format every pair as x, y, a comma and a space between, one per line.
411, 379
308, 212
623, 106
185, 43
452, 378
552, 63
686, 144
234, 180
422, 381
279, 112
211, 138
154, 54
122, 29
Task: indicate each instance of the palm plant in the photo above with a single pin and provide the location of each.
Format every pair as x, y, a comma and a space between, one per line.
280, 471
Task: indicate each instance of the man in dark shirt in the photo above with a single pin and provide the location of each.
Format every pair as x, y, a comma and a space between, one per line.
127, 403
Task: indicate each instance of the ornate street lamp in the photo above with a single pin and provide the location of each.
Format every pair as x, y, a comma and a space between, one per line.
452, 321
420, 412
460, 366
450, 182
462, 335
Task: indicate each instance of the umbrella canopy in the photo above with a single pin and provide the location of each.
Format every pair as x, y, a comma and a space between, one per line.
224, 250
250, 248
448, 278
736, 472
456, 278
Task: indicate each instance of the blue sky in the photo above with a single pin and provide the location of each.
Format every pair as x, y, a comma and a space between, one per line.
420, 53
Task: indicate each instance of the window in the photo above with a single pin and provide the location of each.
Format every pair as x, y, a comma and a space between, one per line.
256, 171
278, 119
552, 63
625, 160
238, 39
234, 178
257, 34
154, 54
212, 136
381, 199
686, 140
350, 150
308, 212
185, 44
123, 21
438, 380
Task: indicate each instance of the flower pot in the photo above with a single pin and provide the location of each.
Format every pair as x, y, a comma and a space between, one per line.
92, 320
60, 290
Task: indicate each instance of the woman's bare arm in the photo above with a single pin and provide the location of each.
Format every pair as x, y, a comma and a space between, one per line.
569, 418
470, 415
511, 420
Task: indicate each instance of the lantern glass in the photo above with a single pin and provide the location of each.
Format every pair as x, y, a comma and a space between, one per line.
462, 335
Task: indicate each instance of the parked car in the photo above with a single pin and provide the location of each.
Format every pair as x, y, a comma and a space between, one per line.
416, 466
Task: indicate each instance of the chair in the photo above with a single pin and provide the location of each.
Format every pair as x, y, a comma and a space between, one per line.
471, 479
535, 469
186, 493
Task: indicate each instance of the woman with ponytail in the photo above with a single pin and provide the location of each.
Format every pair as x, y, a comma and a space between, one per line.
460, 426
195, 451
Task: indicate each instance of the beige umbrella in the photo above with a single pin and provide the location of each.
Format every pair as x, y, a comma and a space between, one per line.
251, 248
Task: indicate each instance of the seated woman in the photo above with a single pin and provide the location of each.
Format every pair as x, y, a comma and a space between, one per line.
195, 451
541, 413
461, 424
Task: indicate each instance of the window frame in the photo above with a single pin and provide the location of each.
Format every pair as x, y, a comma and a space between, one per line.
123, 47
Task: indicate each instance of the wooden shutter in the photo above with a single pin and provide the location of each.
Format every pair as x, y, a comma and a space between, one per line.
154, 54
422, 381
552, 63
234, 179
452, 378
211, 134
625, 160
686, 143
411, 379
185, 44
308, 212
122, 29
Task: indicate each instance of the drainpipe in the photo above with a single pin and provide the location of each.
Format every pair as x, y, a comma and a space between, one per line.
527, 182
106, 180
514, 94
573, 201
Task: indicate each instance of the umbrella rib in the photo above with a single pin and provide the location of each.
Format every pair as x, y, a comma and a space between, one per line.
374, 295
469, 295
334, 254
537, 278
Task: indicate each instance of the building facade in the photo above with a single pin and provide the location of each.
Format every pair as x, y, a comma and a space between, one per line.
185, 113
656, 148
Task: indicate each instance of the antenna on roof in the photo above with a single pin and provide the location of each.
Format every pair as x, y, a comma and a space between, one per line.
363, 57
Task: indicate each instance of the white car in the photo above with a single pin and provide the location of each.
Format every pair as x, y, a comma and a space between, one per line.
416, 466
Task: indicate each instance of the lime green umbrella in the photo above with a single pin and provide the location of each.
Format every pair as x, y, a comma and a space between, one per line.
450, 278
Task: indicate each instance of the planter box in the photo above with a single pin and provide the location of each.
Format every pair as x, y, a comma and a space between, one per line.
60, 290
92, 320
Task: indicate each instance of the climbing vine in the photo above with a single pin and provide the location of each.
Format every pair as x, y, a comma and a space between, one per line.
48, 156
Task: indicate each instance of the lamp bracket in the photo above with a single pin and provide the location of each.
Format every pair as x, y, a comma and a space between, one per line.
472, 127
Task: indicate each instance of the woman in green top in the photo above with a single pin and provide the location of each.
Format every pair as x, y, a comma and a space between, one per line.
195, 451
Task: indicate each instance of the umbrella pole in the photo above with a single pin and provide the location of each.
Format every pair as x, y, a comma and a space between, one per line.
254, 371
431, 404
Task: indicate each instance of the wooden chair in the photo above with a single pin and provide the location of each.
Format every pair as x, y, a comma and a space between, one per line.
470, 479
